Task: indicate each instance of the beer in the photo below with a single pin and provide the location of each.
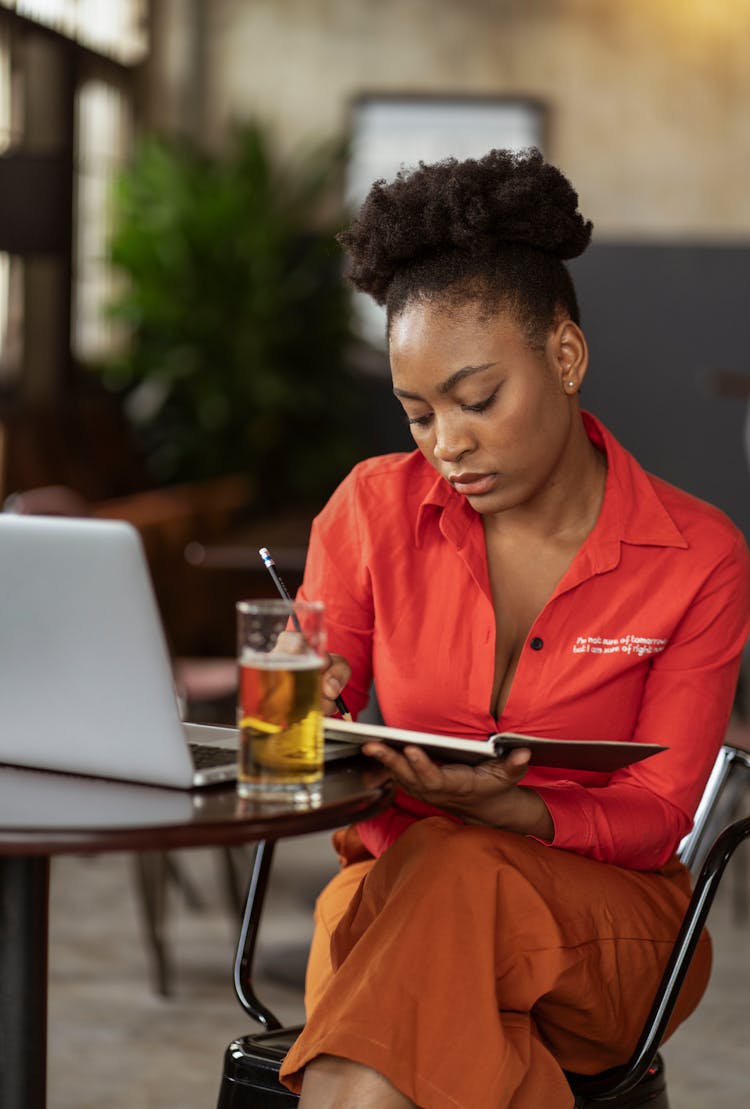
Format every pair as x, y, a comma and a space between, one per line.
280, 722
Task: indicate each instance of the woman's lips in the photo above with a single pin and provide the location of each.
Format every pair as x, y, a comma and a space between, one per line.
472, 485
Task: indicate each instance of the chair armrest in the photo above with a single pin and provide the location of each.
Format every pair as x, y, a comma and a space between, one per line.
716, 809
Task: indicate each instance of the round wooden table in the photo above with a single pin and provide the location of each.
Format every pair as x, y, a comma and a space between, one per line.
44, 814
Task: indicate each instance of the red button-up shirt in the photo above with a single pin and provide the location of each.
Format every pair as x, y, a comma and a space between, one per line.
640, 640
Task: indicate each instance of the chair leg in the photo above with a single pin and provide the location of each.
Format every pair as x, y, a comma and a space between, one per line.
178, 876
740, 898
236, 863
155, 871
741, 875
249, 927
151, 870
732, 805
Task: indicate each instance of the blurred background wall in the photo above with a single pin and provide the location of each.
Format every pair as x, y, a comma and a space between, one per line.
645, 109
647, 101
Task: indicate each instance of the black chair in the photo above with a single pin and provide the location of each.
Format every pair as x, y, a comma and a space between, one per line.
251, 1063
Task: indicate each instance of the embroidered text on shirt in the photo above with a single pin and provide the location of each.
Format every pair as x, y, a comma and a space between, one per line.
621, 644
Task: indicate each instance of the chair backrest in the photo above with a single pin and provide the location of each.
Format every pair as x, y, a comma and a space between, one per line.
716, 808
620, 1080
706, 850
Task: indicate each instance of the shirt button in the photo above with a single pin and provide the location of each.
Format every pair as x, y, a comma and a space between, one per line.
536, 643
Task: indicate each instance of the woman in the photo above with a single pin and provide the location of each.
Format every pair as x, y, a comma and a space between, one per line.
518, 572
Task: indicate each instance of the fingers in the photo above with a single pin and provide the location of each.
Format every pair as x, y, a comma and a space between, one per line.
509, 770
410, 766
516, 763
290, 643
335, 676
374, 776
454, 786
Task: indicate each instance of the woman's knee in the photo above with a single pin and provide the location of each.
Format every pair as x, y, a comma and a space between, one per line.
329, 909
442, 852
335, 897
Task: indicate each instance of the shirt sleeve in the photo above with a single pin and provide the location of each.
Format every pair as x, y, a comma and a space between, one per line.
336, 573
638, 819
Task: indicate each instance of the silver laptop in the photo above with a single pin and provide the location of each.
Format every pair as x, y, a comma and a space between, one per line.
85, 676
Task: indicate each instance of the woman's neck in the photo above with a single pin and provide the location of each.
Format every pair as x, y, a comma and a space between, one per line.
568, 508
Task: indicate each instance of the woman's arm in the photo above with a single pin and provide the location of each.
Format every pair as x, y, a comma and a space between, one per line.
335, 574
639, 818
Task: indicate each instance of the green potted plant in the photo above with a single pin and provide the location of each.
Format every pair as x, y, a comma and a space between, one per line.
239, 319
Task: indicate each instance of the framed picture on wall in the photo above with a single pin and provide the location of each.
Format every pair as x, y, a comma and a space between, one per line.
392, 131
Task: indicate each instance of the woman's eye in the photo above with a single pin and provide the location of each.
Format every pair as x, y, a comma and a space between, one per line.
419, 421
482, 406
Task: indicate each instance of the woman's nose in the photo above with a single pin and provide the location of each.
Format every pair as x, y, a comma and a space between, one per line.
452, 439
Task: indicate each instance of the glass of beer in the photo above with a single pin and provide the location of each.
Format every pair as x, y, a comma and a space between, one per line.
281, 654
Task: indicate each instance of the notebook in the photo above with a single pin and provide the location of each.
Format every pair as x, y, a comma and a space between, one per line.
602, 755
85, 675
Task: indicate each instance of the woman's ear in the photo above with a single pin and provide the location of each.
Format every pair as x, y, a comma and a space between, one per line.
569, 353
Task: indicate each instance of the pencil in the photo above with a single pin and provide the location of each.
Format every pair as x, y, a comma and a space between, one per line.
270, 565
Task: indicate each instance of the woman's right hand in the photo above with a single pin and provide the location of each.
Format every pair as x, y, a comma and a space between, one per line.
335, 676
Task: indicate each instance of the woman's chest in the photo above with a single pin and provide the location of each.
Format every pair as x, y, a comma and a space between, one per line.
522, 578
448, 630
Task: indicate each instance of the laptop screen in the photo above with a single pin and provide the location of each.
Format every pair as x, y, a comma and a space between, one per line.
86, 681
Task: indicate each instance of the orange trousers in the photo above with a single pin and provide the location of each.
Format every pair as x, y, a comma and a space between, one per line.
471, 966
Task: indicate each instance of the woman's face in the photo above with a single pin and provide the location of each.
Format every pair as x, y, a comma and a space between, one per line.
494, 415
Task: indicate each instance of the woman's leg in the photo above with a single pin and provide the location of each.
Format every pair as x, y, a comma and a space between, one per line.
329, 909
472, 965
333, 1083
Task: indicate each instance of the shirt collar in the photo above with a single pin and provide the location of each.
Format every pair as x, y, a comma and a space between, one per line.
631, 511
450, 509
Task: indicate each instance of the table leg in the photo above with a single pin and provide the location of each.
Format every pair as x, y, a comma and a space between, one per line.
24, 901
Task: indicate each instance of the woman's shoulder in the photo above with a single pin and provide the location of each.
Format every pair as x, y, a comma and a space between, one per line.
387, 479
701, 523
649, 501
397, 466
379, 494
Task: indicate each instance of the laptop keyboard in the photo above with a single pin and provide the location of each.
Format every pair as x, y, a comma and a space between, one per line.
206, 756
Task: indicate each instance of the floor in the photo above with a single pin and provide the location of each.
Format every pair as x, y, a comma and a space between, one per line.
113, 1042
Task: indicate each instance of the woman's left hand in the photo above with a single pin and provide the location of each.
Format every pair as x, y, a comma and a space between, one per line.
477, 792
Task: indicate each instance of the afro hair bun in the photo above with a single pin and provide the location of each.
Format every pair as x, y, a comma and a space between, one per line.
475, 207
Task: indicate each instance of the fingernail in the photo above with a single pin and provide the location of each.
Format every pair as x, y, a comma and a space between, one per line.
333, 685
